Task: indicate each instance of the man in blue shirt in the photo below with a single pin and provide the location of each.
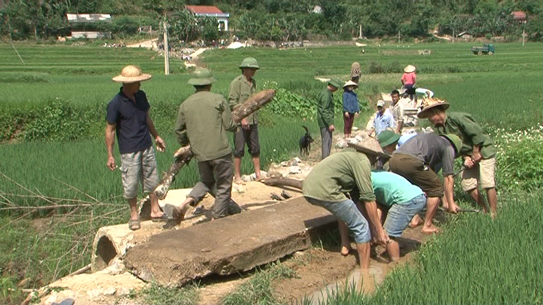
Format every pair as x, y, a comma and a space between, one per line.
383, 119
128, 117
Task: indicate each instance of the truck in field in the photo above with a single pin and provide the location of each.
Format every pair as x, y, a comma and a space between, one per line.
487, 48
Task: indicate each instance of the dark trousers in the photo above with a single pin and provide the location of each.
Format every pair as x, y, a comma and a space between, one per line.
326, 136
348, 123
216, 179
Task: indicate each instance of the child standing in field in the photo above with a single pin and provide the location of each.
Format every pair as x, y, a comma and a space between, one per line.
351, 109
409, 79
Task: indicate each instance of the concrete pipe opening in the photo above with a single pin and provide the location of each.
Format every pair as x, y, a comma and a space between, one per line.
105, 253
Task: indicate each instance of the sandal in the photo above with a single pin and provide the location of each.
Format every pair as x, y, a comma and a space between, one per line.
134, 224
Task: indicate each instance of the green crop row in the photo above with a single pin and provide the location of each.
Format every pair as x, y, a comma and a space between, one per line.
477, 260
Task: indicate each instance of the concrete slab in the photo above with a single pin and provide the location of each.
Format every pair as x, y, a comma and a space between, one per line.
228, 245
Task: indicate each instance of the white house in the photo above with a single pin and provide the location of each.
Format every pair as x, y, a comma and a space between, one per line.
210, 11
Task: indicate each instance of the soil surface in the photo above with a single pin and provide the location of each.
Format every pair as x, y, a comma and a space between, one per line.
318, 269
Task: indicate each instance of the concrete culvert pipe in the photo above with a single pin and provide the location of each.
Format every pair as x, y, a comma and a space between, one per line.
105, 253
109, 243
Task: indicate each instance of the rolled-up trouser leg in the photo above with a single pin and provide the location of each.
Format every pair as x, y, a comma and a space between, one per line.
326, 136
223, 168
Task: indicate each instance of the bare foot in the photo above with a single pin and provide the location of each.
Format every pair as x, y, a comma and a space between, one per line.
346, 250
239, 181
431, 230
366, 282
178, 214
416, 221
157, 214
493, 215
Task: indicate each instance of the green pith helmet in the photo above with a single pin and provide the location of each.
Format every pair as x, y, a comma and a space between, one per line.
336, 82
249, 62
202, 77
456, 142
387, 137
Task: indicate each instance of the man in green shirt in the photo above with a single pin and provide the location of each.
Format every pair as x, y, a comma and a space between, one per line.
241, 88
478, 151
328, 184
202, 121
325, 114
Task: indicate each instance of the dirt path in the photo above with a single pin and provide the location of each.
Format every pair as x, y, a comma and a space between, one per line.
148, 44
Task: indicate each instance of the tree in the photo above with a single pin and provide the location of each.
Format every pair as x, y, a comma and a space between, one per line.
209, 28
333, 12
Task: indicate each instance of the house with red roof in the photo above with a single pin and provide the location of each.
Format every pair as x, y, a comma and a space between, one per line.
519, 16
210, 11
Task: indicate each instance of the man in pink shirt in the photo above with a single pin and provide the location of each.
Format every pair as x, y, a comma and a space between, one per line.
409, 79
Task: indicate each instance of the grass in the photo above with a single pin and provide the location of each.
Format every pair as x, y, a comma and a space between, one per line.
476, 261
157, 295
258, 289
58, 98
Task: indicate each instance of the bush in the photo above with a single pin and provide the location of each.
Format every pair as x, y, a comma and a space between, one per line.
520, 159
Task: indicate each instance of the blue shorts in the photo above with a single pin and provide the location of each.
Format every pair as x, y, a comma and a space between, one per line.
399, 215
348, 212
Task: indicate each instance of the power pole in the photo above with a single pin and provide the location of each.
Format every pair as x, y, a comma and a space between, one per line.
166, 49
360, 32
523, 32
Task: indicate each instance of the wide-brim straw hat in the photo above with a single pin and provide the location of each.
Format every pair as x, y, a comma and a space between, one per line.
430, 103
131, 74
350, 83
409, 69
369, 146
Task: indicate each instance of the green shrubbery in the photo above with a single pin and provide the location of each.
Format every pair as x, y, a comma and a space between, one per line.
49, 121
520, 159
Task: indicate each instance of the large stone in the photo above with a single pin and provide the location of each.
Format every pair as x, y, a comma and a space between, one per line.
228, 245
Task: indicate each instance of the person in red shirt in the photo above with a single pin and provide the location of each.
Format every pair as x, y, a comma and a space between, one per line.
409, 79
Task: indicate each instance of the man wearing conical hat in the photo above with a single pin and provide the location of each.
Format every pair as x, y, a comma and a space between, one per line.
128, 118
203, 120
478, 151
241, 88
328, 185
419, 160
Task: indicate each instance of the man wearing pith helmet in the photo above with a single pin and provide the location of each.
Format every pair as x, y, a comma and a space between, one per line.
478, 151
202, 121
241, 88
128, 117
325, 114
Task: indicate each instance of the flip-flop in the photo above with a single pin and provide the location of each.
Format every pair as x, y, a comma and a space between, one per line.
134, 224
163, 218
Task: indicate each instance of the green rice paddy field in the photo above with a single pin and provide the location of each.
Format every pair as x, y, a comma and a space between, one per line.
52, 111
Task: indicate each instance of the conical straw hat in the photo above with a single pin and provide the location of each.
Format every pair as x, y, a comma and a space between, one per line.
409, 69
